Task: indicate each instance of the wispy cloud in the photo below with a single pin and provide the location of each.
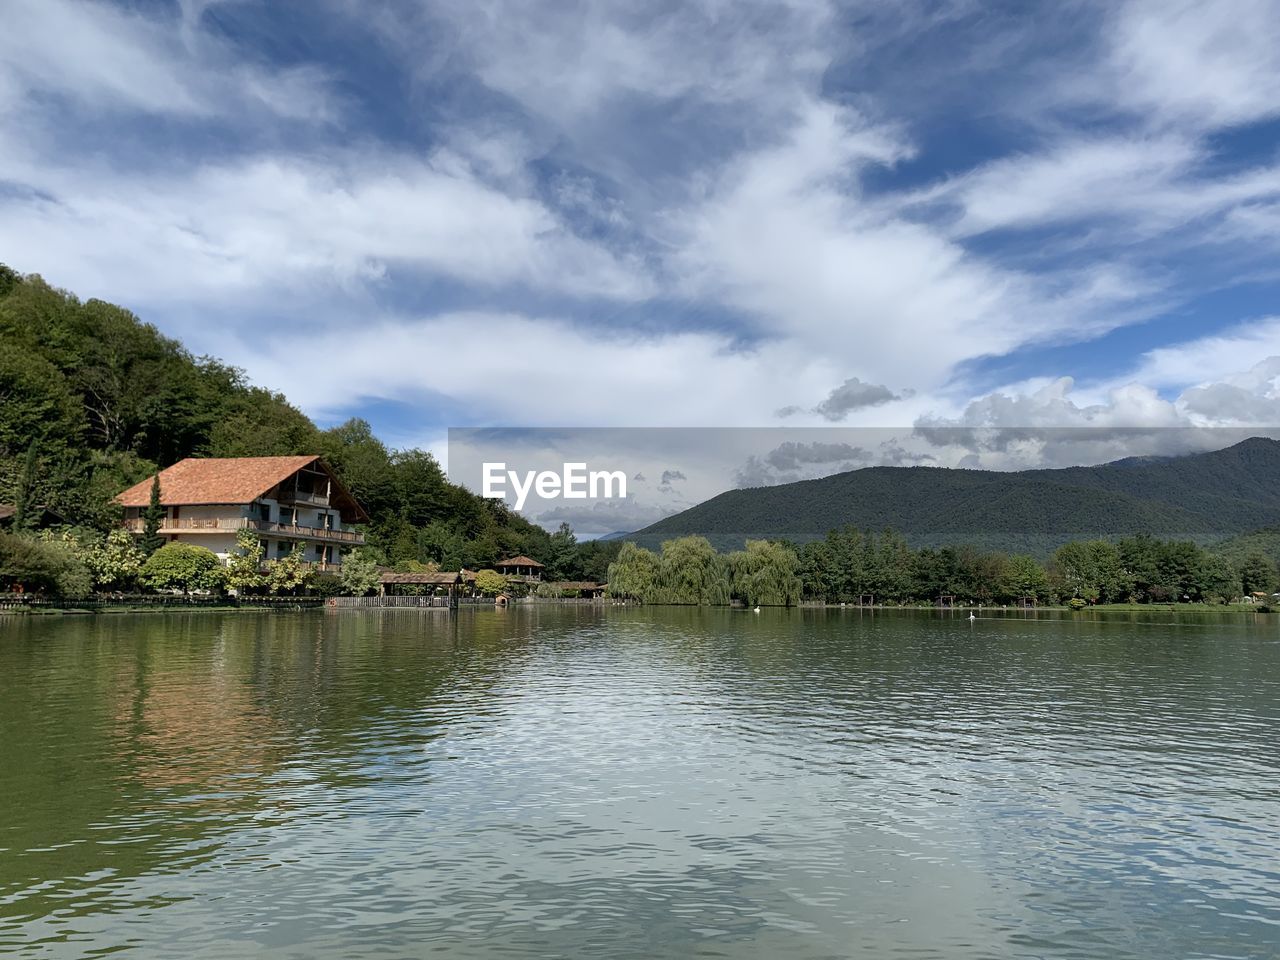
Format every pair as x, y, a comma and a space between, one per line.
642, 212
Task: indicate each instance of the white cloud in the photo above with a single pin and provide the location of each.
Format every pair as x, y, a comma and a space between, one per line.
785, 236
567, 62
279, 223
1228, 384
516, 369
1212, 63
101, 57
1209, 359
720, 138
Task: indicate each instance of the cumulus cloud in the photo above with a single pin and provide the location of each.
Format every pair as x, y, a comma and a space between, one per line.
794, 460
600, 517
671, 476
1045, 424
851, 395
792, 454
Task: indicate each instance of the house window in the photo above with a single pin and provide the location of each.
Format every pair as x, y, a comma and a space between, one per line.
288, 516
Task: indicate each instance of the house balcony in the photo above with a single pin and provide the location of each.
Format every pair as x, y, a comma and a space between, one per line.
234, 524
304, 497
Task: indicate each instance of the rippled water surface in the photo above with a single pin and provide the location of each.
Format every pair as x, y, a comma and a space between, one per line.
613, 782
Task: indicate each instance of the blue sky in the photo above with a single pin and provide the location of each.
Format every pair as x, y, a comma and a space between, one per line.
706, 213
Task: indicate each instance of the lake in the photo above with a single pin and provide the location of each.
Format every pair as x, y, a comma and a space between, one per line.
608, 782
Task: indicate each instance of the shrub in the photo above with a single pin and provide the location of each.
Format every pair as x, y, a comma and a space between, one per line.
490, 583
326, 585
182, 566
1076, 603
45, 567
359, 573
288, 574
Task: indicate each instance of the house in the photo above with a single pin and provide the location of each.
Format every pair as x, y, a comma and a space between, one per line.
519, 568
41, 517
288, 501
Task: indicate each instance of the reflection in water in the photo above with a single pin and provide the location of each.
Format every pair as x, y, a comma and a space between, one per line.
615, 782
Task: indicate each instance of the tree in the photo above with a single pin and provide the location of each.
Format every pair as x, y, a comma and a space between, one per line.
288, 574
115, 561
1023, 576
24, 497
1216, 580
259, 423
490, 583
562, 555
765, 574
1257, 574
244, 568
359, 573
152, 518
634, 574
182, 566
1091, 570
815, 566
43, 566
690, 571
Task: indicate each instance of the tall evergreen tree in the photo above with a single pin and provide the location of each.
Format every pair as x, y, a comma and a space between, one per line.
152, 517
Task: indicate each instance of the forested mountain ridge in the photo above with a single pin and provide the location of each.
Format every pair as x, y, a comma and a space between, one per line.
93, 400
1205, 496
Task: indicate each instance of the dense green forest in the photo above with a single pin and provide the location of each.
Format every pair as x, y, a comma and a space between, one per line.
849, 566
1203, 497
92, 400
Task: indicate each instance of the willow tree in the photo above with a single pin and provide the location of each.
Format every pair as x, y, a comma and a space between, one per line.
690, 571
765, 574
634, 575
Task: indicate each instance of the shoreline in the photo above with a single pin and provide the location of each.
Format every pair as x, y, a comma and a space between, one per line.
301, 604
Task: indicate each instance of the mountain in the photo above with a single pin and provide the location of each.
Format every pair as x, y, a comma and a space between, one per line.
1204, 497
1265, 543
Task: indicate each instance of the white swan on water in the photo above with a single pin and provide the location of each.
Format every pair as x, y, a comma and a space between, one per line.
756, 610
972, 617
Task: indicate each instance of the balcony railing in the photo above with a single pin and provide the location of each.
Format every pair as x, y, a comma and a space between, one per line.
303, 496
232, 524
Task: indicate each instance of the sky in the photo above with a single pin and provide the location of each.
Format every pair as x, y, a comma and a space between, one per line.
928, 215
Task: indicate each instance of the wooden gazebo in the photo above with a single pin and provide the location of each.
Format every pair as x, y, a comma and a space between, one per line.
519, 568
392, 584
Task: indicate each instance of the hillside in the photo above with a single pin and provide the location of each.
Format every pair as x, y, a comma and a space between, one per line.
1204, 497
95, 400
1264, 543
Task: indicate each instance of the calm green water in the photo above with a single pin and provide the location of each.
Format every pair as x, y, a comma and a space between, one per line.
568, 781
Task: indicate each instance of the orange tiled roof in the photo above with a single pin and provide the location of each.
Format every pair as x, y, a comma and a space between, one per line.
215, 480
520, 561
